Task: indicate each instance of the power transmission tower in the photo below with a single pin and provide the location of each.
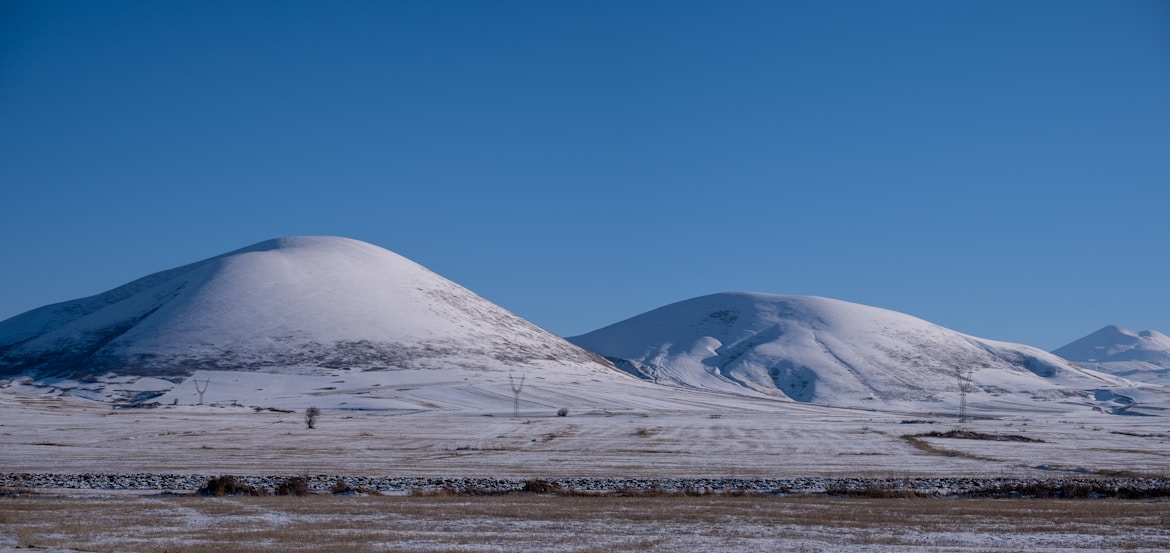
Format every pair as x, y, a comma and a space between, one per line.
201, 391
516, 391
964, 387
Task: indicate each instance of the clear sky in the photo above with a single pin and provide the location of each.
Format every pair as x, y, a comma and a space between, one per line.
1001, 168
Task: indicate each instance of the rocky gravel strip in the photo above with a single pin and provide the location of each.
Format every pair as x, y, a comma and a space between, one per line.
873, 487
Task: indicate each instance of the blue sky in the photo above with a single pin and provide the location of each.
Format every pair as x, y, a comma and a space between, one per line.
1000, 168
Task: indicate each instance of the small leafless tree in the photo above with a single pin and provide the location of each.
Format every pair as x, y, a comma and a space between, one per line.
311, 415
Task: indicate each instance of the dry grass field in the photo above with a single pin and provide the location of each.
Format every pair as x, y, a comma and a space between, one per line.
530, 522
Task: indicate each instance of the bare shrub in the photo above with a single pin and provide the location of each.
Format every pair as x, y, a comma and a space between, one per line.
873, 491
311, 415
541, 486
294, 485
17, 491
340, 487
563, 412
227, 485
1079, 489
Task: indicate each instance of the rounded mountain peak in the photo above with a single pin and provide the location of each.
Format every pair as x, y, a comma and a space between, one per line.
290, 303
1117, 344
814, 349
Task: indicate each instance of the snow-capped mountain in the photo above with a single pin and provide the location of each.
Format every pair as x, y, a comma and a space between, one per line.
832, 352
291, 306
1137, 355
343, 323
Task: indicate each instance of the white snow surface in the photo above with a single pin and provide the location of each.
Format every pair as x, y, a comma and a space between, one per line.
1137, 355
310, 306
831, 352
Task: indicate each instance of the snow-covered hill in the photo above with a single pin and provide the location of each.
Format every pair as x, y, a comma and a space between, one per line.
335, 322
832, 352
1137, 355
340, 312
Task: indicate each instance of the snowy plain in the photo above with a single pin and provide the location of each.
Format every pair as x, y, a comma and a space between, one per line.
738, 438
699, 435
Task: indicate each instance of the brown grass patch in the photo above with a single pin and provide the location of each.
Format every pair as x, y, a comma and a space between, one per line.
537, 522
960, 434
925, 446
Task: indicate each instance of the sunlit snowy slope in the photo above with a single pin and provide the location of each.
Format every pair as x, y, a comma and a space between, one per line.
832, 352
1137, 355
318, 307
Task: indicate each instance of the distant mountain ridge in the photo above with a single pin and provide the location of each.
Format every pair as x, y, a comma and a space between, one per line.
832, 352
1114, 343
1138, 355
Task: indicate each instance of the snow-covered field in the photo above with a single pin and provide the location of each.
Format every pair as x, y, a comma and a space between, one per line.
773, 439
611, 430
